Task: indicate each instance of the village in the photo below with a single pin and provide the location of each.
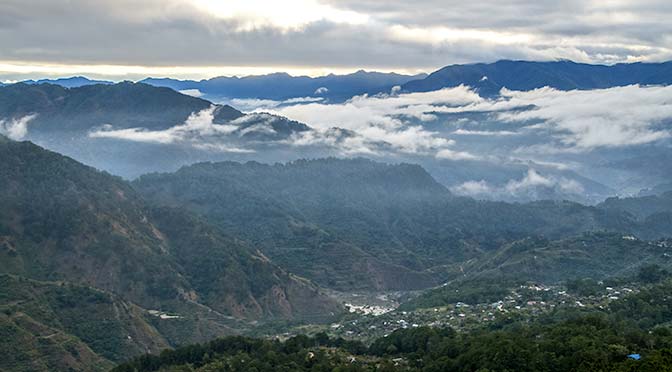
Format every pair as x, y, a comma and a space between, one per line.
368, 322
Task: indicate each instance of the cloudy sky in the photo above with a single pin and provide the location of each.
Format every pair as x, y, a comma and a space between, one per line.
131, 39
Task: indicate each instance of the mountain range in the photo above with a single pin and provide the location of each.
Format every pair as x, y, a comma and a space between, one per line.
96, 269
130, 129
378, 226
490, 78
282, 86
487, 78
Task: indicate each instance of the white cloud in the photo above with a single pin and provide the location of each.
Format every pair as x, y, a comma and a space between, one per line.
192, 92
523, 188
580, 120
532, 179
252, 104
455, 155
472, 188
321, 90
286, 15
16, 129
387, 119
198, 131
466, 132
596, 118
331, 34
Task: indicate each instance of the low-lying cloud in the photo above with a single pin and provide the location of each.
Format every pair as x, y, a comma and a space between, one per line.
451, 124
198, 130
252, 104
16, 129
530, 186
563, 121
392, 119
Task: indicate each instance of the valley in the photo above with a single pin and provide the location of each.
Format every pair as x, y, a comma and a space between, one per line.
145, 229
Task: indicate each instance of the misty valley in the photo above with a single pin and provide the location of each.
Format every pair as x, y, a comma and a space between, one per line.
506, 216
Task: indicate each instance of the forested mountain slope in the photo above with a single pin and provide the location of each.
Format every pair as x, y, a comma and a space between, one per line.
337, 214
64, 222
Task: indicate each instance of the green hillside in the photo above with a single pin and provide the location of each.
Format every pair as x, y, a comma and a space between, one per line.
119, 277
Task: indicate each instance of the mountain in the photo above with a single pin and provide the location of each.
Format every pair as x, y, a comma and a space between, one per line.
282, 86
66, 224
490, 78
312, 217
132, 128
359, 224
652, 212
71, 82
124, 105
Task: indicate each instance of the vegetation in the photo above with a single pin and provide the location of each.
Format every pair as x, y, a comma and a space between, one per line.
363, 225
592, 340
93, 266
95, 270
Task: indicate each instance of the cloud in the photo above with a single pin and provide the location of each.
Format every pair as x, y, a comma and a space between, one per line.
546, 121
586, 120
466, 132
198, 131
386, 118
286, 15
472, 188
455, 155
331, 34
321, 90
579, 120
192, 92
252, 104
531, 185
16, 129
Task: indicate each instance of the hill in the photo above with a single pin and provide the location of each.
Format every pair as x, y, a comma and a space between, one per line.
490, 78
64, 222
368, 225
322, 212
123, 105
50, 326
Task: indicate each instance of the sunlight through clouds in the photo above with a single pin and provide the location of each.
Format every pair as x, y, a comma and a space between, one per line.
286, 15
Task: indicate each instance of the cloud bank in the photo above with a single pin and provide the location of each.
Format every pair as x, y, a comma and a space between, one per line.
198, 131
451, 124
563, 121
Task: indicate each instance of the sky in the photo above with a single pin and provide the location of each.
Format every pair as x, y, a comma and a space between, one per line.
133, 39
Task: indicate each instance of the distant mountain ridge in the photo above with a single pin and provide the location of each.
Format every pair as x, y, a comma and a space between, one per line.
70, 82
282, 86
275, 86
489, 78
